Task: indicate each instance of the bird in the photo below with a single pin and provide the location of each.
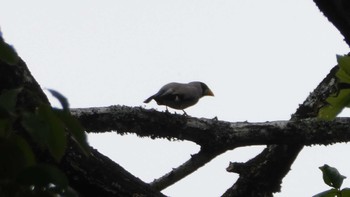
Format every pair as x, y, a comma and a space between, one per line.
180, 95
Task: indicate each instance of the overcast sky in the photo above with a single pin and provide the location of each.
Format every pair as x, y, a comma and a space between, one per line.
260, 58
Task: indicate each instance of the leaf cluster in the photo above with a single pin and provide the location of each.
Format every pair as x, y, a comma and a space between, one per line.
20, 172
7, 52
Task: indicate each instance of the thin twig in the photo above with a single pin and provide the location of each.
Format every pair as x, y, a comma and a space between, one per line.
196, 161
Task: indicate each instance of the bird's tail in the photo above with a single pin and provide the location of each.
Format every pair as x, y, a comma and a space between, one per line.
149, 99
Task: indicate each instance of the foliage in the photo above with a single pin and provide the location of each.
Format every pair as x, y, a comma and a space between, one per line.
334, 179
20, 173
341, 99
7, 52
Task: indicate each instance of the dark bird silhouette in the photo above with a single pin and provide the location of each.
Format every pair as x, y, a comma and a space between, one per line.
180, 95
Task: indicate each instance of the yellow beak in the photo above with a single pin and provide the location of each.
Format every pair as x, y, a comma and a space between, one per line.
209, 93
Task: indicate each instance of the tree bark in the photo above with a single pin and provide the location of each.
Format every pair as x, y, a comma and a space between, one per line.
337, 12
211, 133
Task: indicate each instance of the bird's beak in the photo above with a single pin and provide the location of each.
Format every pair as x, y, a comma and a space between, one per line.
209, 93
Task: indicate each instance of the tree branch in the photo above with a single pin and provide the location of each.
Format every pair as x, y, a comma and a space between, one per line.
205, 132
196, 161
337, 12
275, 161
154, 124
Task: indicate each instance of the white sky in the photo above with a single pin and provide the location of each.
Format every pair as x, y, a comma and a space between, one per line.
260, 58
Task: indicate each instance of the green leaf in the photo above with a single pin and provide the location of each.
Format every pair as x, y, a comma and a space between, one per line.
62, 99
341, 99
345, 192
74, 126
16, 155
335, 105
37, 128
331, 176
42, 175
5, 127
47, 130
57, 141
8, 99
344, 72
28, 155
329, 193
7, 53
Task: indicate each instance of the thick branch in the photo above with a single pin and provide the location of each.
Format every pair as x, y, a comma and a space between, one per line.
97, 175
223, 135
337, 12
230, 135
275, 161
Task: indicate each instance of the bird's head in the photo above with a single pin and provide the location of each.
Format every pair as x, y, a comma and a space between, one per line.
205, 90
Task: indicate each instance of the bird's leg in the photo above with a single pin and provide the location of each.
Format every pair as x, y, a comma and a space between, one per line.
185, 112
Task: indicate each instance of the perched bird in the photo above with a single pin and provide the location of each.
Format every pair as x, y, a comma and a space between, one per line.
180, 95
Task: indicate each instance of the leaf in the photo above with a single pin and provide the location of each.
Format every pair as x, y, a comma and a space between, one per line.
47, 130
74, 126
28, 155
331, 176
42, 175
344, 72
5, 127
8, 99
8, 53
329, 193
16, 155
37, 128
62, 99
345, 192
57, 141
336, 103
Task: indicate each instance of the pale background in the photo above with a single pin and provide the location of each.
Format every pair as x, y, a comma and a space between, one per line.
260, 58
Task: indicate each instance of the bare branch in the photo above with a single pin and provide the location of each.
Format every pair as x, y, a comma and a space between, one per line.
220, 135
337, 11
196, 161
205, 132
266, 171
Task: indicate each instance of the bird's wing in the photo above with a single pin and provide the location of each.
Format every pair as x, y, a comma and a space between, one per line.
183, 92
176, 91
165, 93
